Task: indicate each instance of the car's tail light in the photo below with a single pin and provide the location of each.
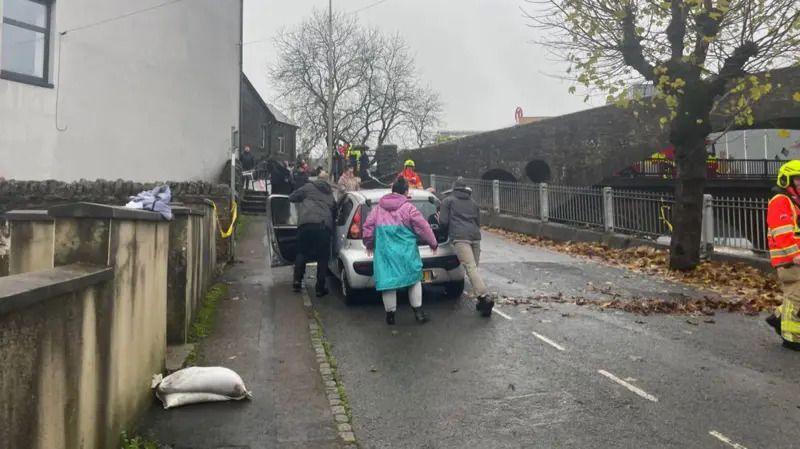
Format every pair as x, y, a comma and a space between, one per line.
356, 226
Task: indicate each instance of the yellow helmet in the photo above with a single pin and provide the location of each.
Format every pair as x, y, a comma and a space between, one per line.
409, 163
787, 172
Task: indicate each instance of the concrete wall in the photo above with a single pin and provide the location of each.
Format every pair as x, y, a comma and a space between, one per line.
148, 97
82, 340
191, 268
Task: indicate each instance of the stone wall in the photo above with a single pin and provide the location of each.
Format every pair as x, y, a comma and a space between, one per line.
43, 194
584, 147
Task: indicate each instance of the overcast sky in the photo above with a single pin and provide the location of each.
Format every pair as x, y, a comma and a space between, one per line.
477, 54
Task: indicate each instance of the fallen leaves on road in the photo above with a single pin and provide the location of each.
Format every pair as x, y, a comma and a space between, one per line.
739, 287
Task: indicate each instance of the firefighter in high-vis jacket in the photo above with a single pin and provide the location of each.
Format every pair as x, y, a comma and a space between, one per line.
784, 252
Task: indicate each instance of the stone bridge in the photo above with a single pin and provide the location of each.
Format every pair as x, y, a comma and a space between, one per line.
584, 147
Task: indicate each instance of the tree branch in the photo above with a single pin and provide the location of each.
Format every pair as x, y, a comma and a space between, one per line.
631, 46
676, 30
733, 67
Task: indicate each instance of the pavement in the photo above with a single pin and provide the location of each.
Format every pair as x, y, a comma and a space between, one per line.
561, 375
261, 333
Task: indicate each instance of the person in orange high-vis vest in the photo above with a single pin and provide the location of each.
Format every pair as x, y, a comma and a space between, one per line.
414, 181
784, 252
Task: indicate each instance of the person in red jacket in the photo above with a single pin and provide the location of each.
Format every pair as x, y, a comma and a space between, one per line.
414, 181
784, 252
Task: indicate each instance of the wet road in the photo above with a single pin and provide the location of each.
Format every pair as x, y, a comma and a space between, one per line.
562, 375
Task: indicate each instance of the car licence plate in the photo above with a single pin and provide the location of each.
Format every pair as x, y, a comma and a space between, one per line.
427, 276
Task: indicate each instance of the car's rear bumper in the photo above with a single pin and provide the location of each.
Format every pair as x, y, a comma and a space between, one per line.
442, 268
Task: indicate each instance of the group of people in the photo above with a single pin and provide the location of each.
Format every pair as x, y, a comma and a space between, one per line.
391, 233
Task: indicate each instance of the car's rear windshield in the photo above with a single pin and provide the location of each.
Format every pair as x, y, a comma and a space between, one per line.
425, 207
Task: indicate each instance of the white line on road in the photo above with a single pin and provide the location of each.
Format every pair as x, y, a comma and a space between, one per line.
548, 341
502, 314
725, 439
630, 387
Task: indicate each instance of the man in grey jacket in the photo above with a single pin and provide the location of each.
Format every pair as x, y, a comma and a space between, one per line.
315, 217
461, 217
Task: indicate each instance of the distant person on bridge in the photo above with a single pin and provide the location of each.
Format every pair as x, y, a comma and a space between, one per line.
391, 230
410, 175
461, 217
784, 252
315, 217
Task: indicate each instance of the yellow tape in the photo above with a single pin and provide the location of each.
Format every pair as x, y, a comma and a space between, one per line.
234, 216
662, 212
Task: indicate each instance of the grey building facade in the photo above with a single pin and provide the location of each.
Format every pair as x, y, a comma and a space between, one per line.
269, 133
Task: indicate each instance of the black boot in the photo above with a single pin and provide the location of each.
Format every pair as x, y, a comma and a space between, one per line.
775, 322
390, 318
791, 345
322, 292
297, 286
420, 315
485, 305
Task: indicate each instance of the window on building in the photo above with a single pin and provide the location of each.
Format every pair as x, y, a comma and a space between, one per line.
263, 136
25, 53
280, 145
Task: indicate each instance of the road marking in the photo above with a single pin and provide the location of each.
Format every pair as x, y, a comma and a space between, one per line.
548, 341
502, 314
630, 387
725, 439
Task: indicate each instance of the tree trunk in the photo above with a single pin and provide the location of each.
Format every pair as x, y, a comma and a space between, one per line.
687, 134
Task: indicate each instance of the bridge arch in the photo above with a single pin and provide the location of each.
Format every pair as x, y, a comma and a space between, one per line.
499, 174
537, 171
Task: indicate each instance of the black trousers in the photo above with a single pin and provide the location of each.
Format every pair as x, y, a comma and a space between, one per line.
313, 245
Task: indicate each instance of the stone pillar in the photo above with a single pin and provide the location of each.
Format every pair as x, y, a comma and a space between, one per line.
32, 241
544, 209
608, 209
496, 196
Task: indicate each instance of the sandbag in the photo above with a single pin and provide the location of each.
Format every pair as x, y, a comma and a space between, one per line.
200, 384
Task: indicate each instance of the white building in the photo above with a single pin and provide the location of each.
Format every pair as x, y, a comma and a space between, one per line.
144, 90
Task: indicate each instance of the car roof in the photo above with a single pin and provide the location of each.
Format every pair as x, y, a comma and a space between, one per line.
374, 195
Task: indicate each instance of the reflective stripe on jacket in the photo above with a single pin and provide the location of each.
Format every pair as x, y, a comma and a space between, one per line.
783, 238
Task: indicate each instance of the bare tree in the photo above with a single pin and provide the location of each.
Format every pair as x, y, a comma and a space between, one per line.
424, 116
700, 56
373, 76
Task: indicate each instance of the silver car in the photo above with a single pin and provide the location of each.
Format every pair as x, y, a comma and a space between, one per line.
350, 263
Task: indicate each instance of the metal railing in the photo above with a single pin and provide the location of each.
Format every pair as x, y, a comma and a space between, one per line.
740, 224
730, 224
643, 214
575, 205
715, 169
523, 200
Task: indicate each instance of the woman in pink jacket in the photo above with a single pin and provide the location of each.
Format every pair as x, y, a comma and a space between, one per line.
391, 231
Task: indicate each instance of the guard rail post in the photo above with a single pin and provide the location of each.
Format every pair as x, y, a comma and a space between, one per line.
496, 196
707, 234
544, 211
608, 209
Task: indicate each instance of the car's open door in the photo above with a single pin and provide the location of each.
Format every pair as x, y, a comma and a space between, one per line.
281, 230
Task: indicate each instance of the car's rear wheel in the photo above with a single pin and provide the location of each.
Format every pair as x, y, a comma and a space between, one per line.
351, 296
454, 290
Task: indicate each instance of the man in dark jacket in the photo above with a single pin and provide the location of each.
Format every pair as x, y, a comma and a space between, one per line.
363, 165
300, 174
315, 217
247, 160
461, 216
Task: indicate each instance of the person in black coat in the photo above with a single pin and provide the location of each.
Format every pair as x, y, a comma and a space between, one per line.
363, 165
247, 159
